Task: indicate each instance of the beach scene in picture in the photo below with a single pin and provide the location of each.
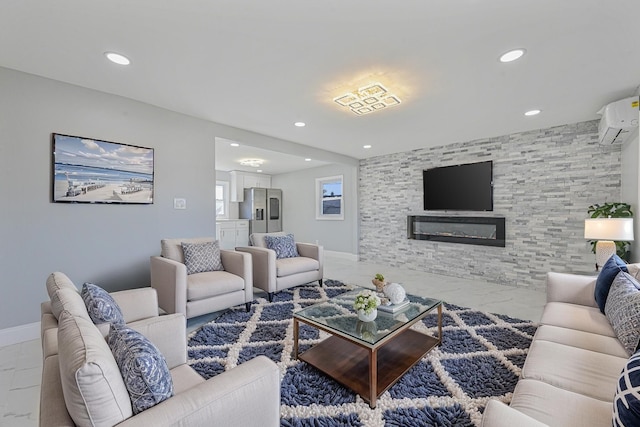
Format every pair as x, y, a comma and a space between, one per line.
93, 171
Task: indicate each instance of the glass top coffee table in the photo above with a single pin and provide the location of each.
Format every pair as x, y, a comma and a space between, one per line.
367, 357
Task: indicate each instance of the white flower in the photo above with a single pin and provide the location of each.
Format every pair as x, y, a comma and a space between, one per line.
366, 300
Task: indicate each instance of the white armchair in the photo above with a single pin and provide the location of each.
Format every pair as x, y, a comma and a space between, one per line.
272, 274
200, 293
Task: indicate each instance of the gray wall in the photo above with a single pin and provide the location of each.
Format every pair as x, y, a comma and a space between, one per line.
298, 190
544, 181
630, 192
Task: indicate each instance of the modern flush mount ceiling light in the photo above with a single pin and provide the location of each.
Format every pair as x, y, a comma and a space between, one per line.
368, 99
532, 113
512, 55
254, 163
117, 58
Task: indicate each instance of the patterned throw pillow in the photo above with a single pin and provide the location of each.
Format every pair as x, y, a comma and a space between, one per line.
201, 257
626, 403
101, 306
143, 368
609, 271
284, 246
623, 310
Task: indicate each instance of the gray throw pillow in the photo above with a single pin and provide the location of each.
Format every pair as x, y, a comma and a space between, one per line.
143, 368
285, 246
101, 306
623, 310
201, 257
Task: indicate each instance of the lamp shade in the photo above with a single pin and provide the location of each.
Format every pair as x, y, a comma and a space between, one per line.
617, 229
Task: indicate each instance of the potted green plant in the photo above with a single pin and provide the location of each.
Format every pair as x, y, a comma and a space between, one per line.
612, 210
379, 282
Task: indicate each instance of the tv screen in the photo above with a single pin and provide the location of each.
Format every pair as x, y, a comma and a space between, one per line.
467, 187
93, 171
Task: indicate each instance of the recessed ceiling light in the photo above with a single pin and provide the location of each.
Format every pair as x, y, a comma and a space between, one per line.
512, 55
366, 146
307, 159
259, 170
300, 124
117, 58
235, 144
532, 112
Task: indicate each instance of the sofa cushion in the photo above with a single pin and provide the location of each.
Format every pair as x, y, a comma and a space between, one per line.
93, 389
626, 402
143, 368
70, 300
285, 246
609, 271
57, 281
574, 369
201, 257
211, 284
581, 339
555, 406
579, 317
172, 248
623, 311
257, 239
289, 266
101, 306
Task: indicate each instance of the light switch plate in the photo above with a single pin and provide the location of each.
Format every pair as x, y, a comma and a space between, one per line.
179, 203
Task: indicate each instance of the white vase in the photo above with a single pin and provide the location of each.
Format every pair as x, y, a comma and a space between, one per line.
367, 317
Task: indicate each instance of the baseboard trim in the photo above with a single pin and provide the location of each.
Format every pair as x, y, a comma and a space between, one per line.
19, 334
344, 255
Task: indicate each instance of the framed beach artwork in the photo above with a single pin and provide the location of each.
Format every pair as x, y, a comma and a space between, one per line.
92, 171
329, 198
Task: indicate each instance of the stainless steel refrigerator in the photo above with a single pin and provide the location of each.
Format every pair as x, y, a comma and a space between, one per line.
263, 208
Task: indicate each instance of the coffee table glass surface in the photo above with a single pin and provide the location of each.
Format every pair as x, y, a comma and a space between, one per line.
338, 315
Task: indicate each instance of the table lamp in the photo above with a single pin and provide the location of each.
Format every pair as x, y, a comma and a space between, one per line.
606, 231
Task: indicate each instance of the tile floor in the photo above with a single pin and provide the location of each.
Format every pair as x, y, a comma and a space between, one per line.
21, 365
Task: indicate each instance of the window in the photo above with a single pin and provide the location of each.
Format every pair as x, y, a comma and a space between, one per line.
222, 199
329, 202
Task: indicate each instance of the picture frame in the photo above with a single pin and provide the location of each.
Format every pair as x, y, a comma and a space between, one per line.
87, 170
330, 198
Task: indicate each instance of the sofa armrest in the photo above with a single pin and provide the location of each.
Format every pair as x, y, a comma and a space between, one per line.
571, 288
497, 414
137, 304
168, 333
247, 395
169, 279
263, 261
53, 410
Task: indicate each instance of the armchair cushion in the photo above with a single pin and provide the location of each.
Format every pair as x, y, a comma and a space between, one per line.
289, 266
257, 239
285, 246
201, 257
101, 306
172, 248
143, 368
212, 283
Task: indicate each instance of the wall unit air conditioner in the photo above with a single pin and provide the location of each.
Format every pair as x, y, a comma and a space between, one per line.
618, 121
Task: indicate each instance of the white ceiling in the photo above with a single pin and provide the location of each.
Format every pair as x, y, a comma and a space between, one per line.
262, 65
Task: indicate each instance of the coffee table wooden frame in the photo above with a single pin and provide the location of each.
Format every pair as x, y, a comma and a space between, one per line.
368, 369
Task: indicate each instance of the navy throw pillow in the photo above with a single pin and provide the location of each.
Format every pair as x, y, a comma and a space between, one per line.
101, 306
626, 405
610, 270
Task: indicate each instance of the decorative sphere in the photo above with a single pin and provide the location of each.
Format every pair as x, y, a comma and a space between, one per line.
395, 293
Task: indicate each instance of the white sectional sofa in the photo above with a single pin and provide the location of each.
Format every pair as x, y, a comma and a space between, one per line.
247, 395
572, 369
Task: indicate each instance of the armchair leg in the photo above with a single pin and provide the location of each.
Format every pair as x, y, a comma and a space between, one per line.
320, 282
248, 306
270, 296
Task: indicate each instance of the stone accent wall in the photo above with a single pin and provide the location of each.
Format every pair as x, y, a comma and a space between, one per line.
544, 180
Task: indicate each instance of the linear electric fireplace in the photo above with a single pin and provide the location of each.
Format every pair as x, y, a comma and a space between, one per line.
486, 231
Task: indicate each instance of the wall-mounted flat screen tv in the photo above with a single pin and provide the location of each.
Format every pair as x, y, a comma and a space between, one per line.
467, 187
88, 170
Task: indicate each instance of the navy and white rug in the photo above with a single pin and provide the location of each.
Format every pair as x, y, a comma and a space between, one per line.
480, 358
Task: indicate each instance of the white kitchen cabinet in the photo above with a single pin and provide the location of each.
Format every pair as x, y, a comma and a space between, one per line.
241, 180
232, 233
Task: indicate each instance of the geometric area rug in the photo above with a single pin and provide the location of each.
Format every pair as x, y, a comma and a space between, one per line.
480, 358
